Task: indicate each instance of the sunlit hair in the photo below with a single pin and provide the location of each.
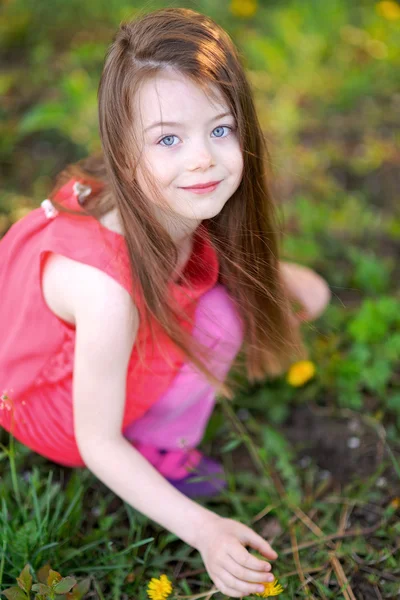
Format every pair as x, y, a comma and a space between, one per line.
245, 234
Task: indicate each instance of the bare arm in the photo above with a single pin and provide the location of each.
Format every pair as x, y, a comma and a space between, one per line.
106, 326
127, 473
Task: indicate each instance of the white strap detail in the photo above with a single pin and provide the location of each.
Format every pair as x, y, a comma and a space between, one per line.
81, 191
49, 209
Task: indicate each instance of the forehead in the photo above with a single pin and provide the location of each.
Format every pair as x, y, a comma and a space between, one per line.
172, 96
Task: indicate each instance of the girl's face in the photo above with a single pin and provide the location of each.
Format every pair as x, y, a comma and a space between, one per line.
194, 145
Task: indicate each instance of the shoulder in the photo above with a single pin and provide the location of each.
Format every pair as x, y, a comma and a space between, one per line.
86, 294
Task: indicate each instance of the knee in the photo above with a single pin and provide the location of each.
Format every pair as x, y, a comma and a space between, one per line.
222, 315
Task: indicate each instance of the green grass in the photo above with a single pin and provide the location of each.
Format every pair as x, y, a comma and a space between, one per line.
68, 519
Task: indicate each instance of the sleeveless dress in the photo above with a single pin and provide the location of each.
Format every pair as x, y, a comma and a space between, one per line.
37, 347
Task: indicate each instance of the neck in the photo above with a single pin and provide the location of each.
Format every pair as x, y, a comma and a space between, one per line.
184, 253
184, 240
111, 221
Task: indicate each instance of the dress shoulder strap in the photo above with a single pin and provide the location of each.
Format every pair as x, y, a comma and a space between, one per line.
82, 237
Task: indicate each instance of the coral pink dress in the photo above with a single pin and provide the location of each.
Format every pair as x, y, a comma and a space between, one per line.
37, 347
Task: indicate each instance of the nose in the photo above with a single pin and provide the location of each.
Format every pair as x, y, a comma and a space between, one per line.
201, 157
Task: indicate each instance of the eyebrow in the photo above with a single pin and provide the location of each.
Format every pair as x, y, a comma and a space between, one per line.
175, 124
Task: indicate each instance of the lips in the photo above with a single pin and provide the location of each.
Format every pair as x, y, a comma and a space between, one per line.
201, 186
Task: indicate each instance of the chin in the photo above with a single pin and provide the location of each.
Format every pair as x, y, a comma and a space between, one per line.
209, 213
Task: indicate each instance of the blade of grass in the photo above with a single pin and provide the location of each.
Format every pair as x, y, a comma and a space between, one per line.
47, 547
341, 577
3, 554
296, 557
70, 509
14, 477
73, 553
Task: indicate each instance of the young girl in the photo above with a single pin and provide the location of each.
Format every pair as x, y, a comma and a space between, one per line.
128, 294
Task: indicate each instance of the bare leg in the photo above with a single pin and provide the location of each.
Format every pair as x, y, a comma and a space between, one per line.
308, 288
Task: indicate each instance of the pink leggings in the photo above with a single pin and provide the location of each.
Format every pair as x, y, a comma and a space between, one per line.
179, 418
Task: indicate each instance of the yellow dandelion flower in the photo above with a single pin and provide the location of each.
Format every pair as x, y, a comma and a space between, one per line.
159, 589
272, 588
395, 503
243, 8
300, 372
388, 10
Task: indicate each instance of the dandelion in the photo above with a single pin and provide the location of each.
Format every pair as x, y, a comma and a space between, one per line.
395, 503
272, 588
300, 372
388, 10
243, 8
159, 589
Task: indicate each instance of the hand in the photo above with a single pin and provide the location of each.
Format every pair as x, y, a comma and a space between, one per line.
231, 567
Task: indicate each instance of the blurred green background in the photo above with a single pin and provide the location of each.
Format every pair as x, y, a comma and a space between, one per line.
326, 79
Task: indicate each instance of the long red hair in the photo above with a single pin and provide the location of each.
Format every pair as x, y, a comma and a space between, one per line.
246, 233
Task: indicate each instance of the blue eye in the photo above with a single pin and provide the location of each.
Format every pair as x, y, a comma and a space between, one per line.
222, 127
169, 137
166, 138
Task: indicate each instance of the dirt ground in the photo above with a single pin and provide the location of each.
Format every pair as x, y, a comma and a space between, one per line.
346, 450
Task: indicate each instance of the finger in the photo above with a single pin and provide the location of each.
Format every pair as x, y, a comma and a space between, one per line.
244, 572
259, 543
245, 588
247, 574
251, 538
228, 591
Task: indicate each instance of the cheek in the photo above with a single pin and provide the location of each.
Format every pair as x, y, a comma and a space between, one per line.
161, 167
157, 167
236, 164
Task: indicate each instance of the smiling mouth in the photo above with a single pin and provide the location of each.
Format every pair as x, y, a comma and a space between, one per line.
201, 186
202, 190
